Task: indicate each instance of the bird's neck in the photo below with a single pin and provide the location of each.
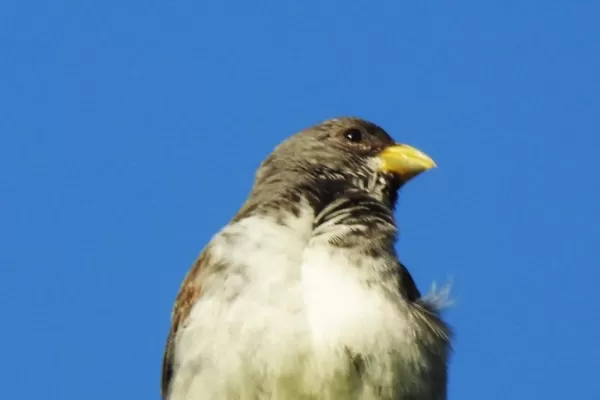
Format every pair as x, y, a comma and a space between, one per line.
350, 215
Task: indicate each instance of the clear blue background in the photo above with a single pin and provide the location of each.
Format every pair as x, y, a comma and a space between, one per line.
130, 131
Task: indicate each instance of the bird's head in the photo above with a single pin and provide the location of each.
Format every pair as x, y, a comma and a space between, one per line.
344, 154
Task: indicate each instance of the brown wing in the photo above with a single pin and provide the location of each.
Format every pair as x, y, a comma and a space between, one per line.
186, 297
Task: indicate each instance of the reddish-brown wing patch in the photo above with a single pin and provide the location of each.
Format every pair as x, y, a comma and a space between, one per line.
186, 297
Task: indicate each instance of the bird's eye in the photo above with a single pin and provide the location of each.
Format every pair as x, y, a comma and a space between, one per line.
354, 135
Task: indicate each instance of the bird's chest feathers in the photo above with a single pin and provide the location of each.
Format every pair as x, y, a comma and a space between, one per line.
299, 308
331, 294
346, 307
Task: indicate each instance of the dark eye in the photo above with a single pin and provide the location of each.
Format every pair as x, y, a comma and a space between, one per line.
354, 135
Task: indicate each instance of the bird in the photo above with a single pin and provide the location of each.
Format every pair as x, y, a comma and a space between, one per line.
302, 295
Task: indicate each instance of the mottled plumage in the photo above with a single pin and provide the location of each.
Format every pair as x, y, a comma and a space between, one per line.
301, 295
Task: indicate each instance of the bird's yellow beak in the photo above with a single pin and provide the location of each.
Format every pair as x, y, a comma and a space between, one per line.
404, 161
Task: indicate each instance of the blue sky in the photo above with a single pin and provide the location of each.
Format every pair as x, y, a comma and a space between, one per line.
130, 131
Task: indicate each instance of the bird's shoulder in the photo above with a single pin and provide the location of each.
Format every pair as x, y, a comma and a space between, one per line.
189, 292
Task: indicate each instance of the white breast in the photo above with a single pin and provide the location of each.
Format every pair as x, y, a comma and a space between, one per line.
348, 317
341, 307
284, 319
